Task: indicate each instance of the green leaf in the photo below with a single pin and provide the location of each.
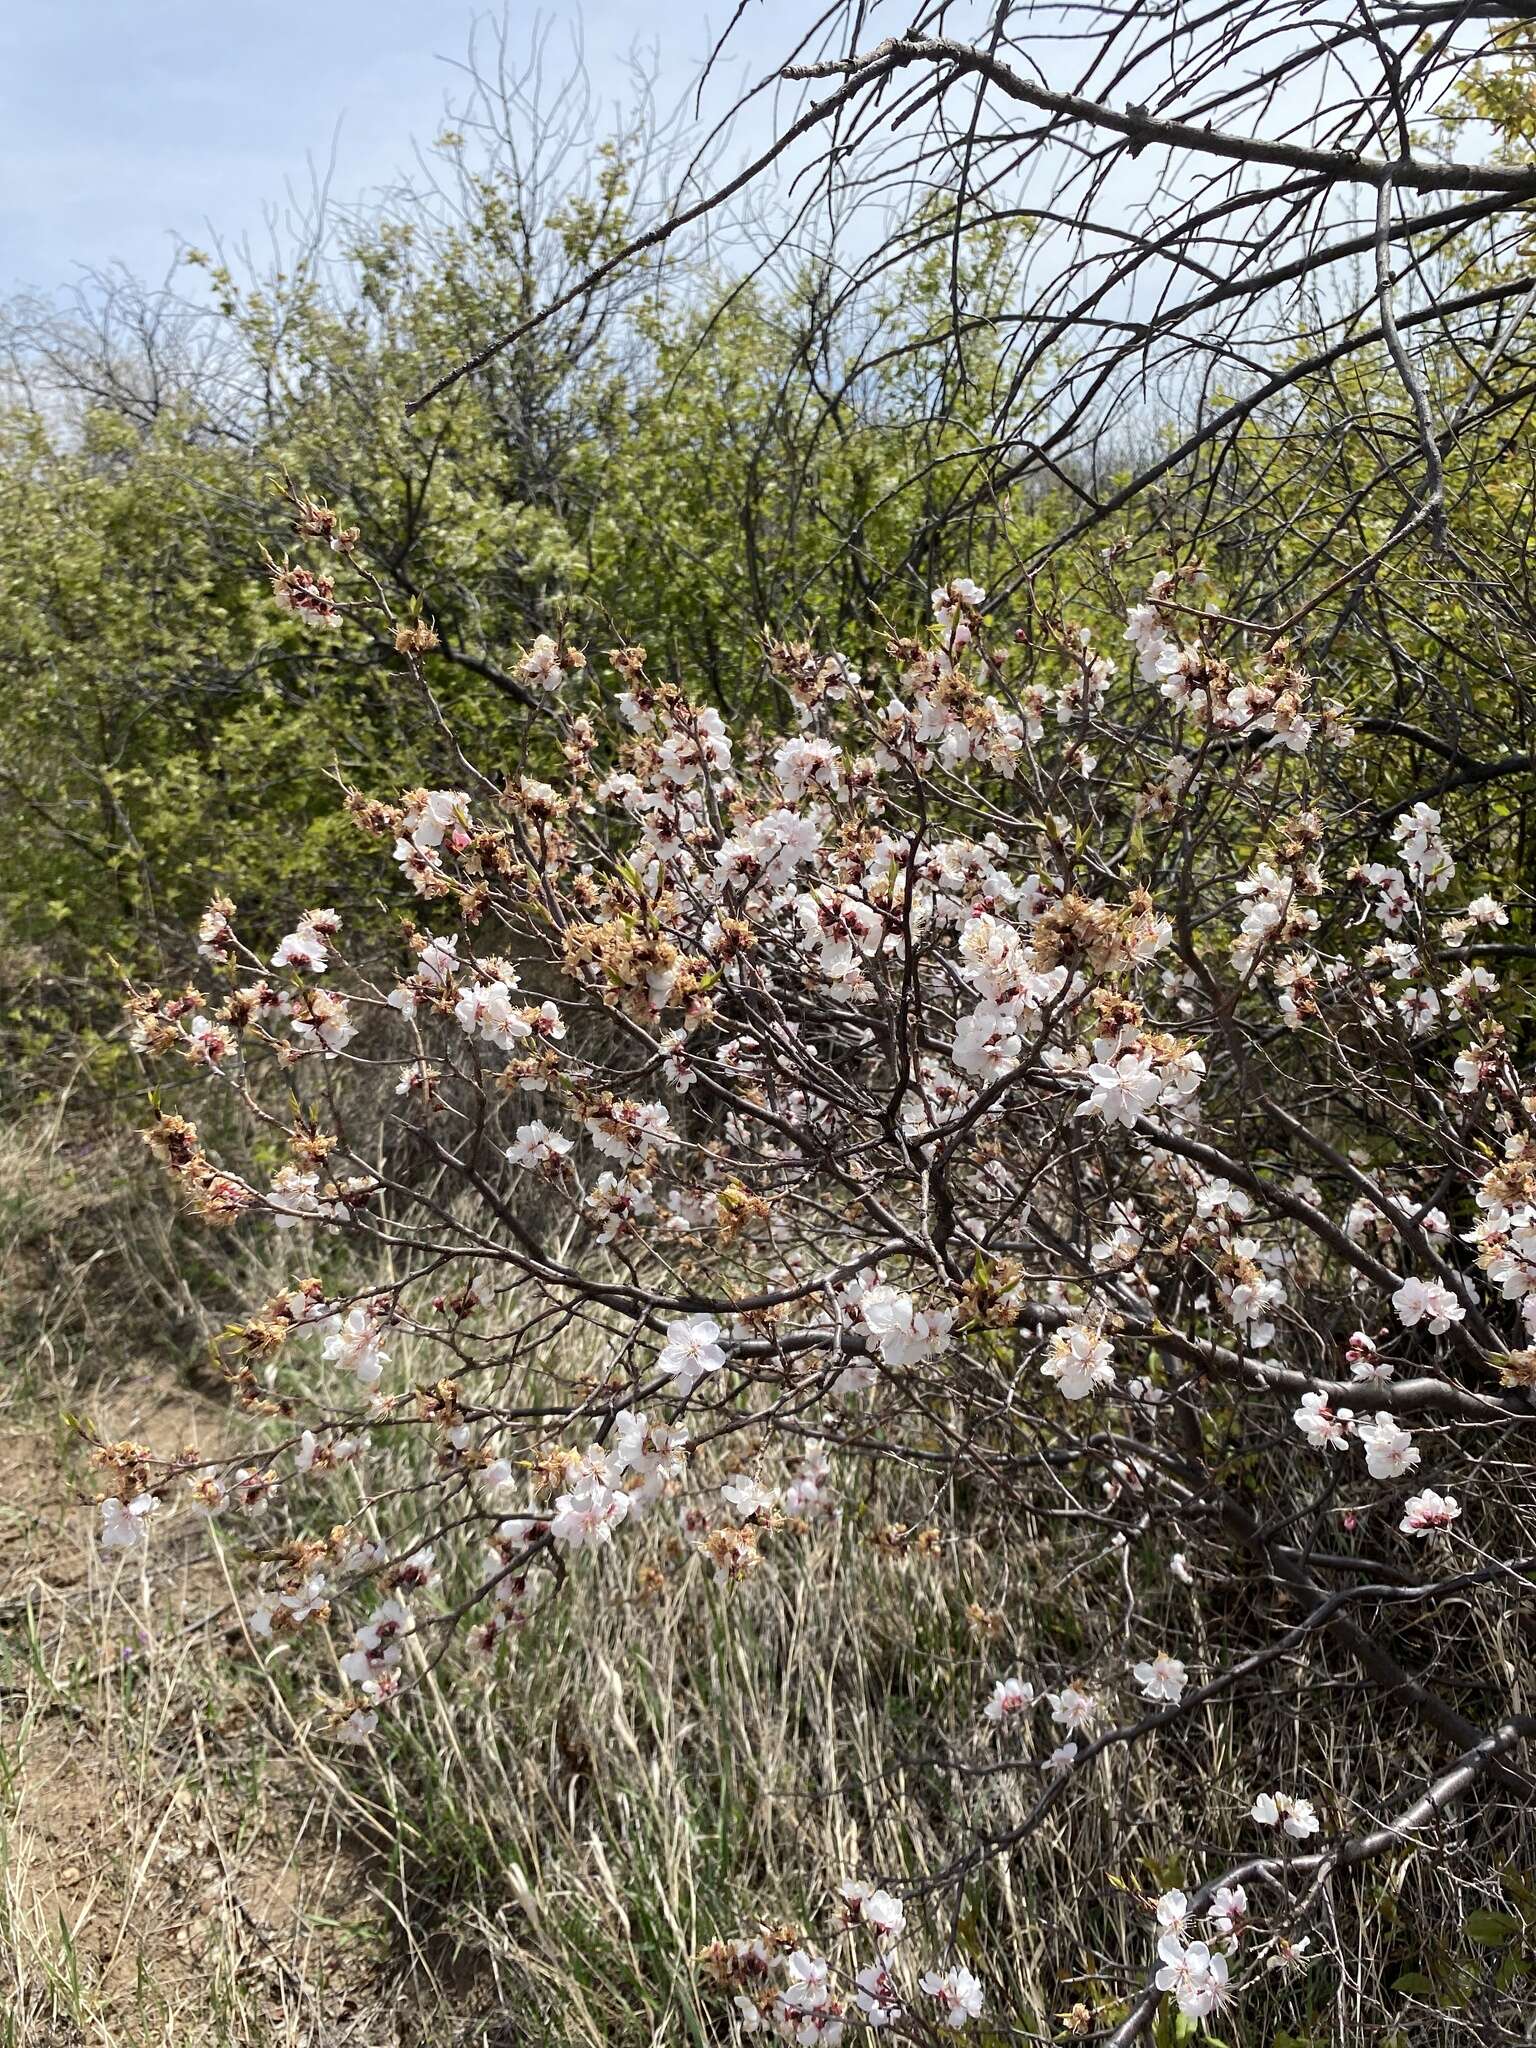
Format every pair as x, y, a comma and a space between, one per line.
1490, 1930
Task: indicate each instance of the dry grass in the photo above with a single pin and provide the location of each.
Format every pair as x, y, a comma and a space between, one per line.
164, 1876
539, 1848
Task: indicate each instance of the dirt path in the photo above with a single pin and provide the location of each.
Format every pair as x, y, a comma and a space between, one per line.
167, 1874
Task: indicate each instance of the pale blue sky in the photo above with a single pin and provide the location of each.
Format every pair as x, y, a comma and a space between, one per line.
128, 122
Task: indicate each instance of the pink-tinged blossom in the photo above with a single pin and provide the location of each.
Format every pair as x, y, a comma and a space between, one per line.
987, 1042
961, 593
1250, 1295
1389, 1448
1073, 1709
438, 815
1218, 1197
1428, 1302
379, 1644
1011, 1697
842, 929
1144, 630
215, 933
323, 1019
1393, 901
1486, 911
537, 1146
768, 852
207, 1043
438, 961
1162, 1678
618, 1204
358, 1726
1122, 1088
956, 1993
876, 1996
807, 2008
294, 1198
1079, 1360
1424, 852
809, 1492
626, 1130
125, 1524
1426, 1513
1279, 1809
1325, 1428
1194, 1973
904, 1333
1505, 1243
692, 1349
1419, 1009
313, 1454
290, 1609
305, 947
804, 763
422, 868
865, 1906
747, 1496
1172, 1912
1470, 991
695, 744
587, 1517
1229, 1909
542, 668
488, 1011
653, 1450
354, 1344
1365, 1361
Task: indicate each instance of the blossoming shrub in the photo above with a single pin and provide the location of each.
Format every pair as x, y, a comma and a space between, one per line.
1029, 1085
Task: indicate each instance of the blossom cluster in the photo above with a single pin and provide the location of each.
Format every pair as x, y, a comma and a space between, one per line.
1009, 1063
793, 1993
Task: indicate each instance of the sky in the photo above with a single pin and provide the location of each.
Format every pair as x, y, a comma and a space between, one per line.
132, 122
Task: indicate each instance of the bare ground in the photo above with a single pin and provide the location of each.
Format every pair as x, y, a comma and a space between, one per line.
172, 1870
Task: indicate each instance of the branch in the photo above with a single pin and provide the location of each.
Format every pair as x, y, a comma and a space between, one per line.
1434, 469
1135, 126
1142, 130
655, 237
1444, 1792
